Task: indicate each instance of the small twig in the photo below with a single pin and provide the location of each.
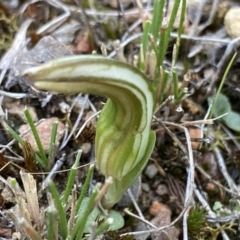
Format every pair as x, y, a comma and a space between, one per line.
158, 229
18, 44
16, 95
122, 13
141, 217
86, 122
231, 137
130, 29
160, 169
225, 219
190, 170
112, 13
223, 169
93, 9
185, 225
92, 39
8, 184
20, 135
119, 51
232, 47
191, 123
50, 26
52, 173
123, 44
214, 181
140, 8
75, 124
190, 182
103, 190
173, 136
209, 210
165, 103
202, 38
194, 27
214, 9
126, 210
61, 171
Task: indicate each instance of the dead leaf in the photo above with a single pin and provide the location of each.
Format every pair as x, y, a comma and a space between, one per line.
30, 189
45, 50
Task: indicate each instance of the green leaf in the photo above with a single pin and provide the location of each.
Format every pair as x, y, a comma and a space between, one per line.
118, 221
97, 215
221, 106
78, 228
217, 206
232, 120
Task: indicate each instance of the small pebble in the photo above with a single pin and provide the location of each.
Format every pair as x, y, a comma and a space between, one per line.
162, 190
155, 208
151, 171
141, 227
86, 148
232, 22
145, 187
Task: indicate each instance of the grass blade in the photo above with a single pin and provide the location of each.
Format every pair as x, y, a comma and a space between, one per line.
52, 144
85, 187
78, 228
62, 221
71, 177
52, 223
20, 140
37, 139
158, 9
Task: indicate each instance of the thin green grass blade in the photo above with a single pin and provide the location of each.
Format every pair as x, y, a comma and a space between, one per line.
85, 186
13, 133
62, 221
145, 37
180, 30
158, 9
222, 82
71, 178
36, 137
175, 83
167, 33
52, 223
52, 143
165, 82
157, 36
103, 226
161, 52
78, 228
180, 96
144, 46
19, 140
